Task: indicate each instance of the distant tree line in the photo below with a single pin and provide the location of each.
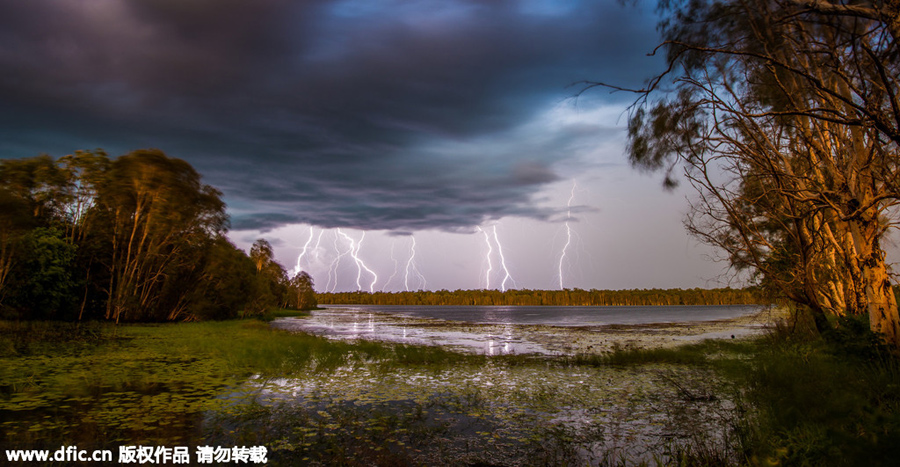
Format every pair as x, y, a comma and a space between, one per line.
133, 238
566, 297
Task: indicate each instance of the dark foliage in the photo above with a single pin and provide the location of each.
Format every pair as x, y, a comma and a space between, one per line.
133, 238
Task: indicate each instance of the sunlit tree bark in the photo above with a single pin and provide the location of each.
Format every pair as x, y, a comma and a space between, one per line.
262, 254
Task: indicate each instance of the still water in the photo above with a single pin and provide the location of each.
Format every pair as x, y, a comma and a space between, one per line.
495, 330
561, 315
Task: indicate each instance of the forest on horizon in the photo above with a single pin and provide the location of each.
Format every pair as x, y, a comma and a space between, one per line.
565, 297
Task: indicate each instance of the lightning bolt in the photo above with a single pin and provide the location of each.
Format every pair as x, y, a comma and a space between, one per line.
396, 266
411, 266
487, 276
332, 270
502, 263
297, 268
412, 255
562, 256
316, 249
360, 265
374, 276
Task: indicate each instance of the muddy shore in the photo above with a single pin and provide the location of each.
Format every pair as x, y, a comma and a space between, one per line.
656, 335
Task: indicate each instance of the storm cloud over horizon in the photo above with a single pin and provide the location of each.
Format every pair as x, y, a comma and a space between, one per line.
393, 115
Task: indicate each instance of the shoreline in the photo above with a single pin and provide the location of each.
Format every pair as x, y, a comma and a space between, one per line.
667, 335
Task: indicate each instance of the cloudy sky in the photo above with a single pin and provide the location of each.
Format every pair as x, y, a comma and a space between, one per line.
424, 138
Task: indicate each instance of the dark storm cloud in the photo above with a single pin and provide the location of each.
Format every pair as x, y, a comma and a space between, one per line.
395, 115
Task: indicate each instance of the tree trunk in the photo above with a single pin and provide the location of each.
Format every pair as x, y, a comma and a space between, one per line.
882, 305
876, 297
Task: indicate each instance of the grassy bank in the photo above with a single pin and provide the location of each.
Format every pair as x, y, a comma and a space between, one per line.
821, 400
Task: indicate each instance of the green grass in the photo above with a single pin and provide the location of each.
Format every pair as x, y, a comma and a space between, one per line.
284, 313
699, 354
18, 338
831, 400
681, 356
147, 382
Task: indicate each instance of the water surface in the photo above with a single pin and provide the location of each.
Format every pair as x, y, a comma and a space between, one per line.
498, 330
562, 315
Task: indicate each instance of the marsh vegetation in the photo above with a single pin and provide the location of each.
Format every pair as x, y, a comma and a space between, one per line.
789, 398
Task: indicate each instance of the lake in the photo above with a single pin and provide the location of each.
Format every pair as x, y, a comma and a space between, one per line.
549, 330
560, 315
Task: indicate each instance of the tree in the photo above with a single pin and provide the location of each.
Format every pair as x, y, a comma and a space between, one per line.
139, 236
45, 285
227, 285
15, 221
303, 296
86, 172
271, 278
784, 115
40, 183
262, 255
31, 195
158, 215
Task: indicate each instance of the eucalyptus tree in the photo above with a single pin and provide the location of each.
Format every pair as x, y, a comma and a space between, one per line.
272, 282
262, 254
784, 115
39, 183
85, 173
302, 293
157, 215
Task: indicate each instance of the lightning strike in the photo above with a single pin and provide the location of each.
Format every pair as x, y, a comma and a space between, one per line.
298, 268
411, 266
502, 263
562, 256
360, 265
332, 270
374, 276
396, 266
316, 249
487, 276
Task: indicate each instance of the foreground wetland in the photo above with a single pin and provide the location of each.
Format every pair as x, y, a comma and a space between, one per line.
616, 395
